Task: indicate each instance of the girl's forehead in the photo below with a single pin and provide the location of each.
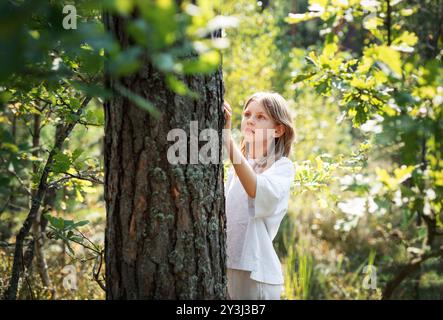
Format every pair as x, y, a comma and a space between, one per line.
255, 106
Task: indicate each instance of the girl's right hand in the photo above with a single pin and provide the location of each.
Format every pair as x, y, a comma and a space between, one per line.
228, 114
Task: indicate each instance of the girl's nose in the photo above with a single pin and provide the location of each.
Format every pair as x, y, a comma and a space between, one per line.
250, 121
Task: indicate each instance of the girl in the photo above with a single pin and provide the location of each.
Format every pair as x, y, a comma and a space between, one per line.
257, 195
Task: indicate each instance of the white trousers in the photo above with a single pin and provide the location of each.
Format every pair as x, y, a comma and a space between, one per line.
242, 287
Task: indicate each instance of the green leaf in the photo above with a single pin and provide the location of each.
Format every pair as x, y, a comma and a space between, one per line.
163, 24
77, 153
138, 100
90, 61
76, 239
405, 42
124, 7
388, 56
139, 30
400, 175
81, 223
61, 163
408, 38
57, 223
372, 22
180, 87
302, 77
92, 90
164, 61
312, 58
205, 63
125, 62
69, 246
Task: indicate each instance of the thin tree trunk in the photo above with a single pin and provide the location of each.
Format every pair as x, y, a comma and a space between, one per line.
407, 270
38, 230
35, 145
14, 139
18, 263
388, 21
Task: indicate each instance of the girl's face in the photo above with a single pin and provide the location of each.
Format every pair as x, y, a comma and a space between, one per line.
257, 127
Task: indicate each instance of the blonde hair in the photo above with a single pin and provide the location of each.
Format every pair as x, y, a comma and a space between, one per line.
277, 108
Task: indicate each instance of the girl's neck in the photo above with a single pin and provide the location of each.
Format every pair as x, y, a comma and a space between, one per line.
256, 154
252, 157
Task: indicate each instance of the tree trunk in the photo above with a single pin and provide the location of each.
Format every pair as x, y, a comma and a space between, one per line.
165, 229
18, 263
38, 230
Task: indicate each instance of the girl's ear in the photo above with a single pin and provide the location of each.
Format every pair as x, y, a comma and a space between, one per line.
279, 130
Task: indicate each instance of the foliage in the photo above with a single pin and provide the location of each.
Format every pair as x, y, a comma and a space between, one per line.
53, 82
392, 92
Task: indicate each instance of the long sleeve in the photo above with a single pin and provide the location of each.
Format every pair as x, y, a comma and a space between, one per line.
228, 180
272, 186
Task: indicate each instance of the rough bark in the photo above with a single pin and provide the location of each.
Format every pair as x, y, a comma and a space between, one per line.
165, 234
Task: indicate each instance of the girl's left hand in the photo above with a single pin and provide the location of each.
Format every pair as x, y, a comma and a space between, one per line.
228, 114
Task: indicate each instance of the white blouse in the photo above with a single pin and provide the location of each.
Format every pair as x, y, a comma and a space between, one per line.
252, 223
